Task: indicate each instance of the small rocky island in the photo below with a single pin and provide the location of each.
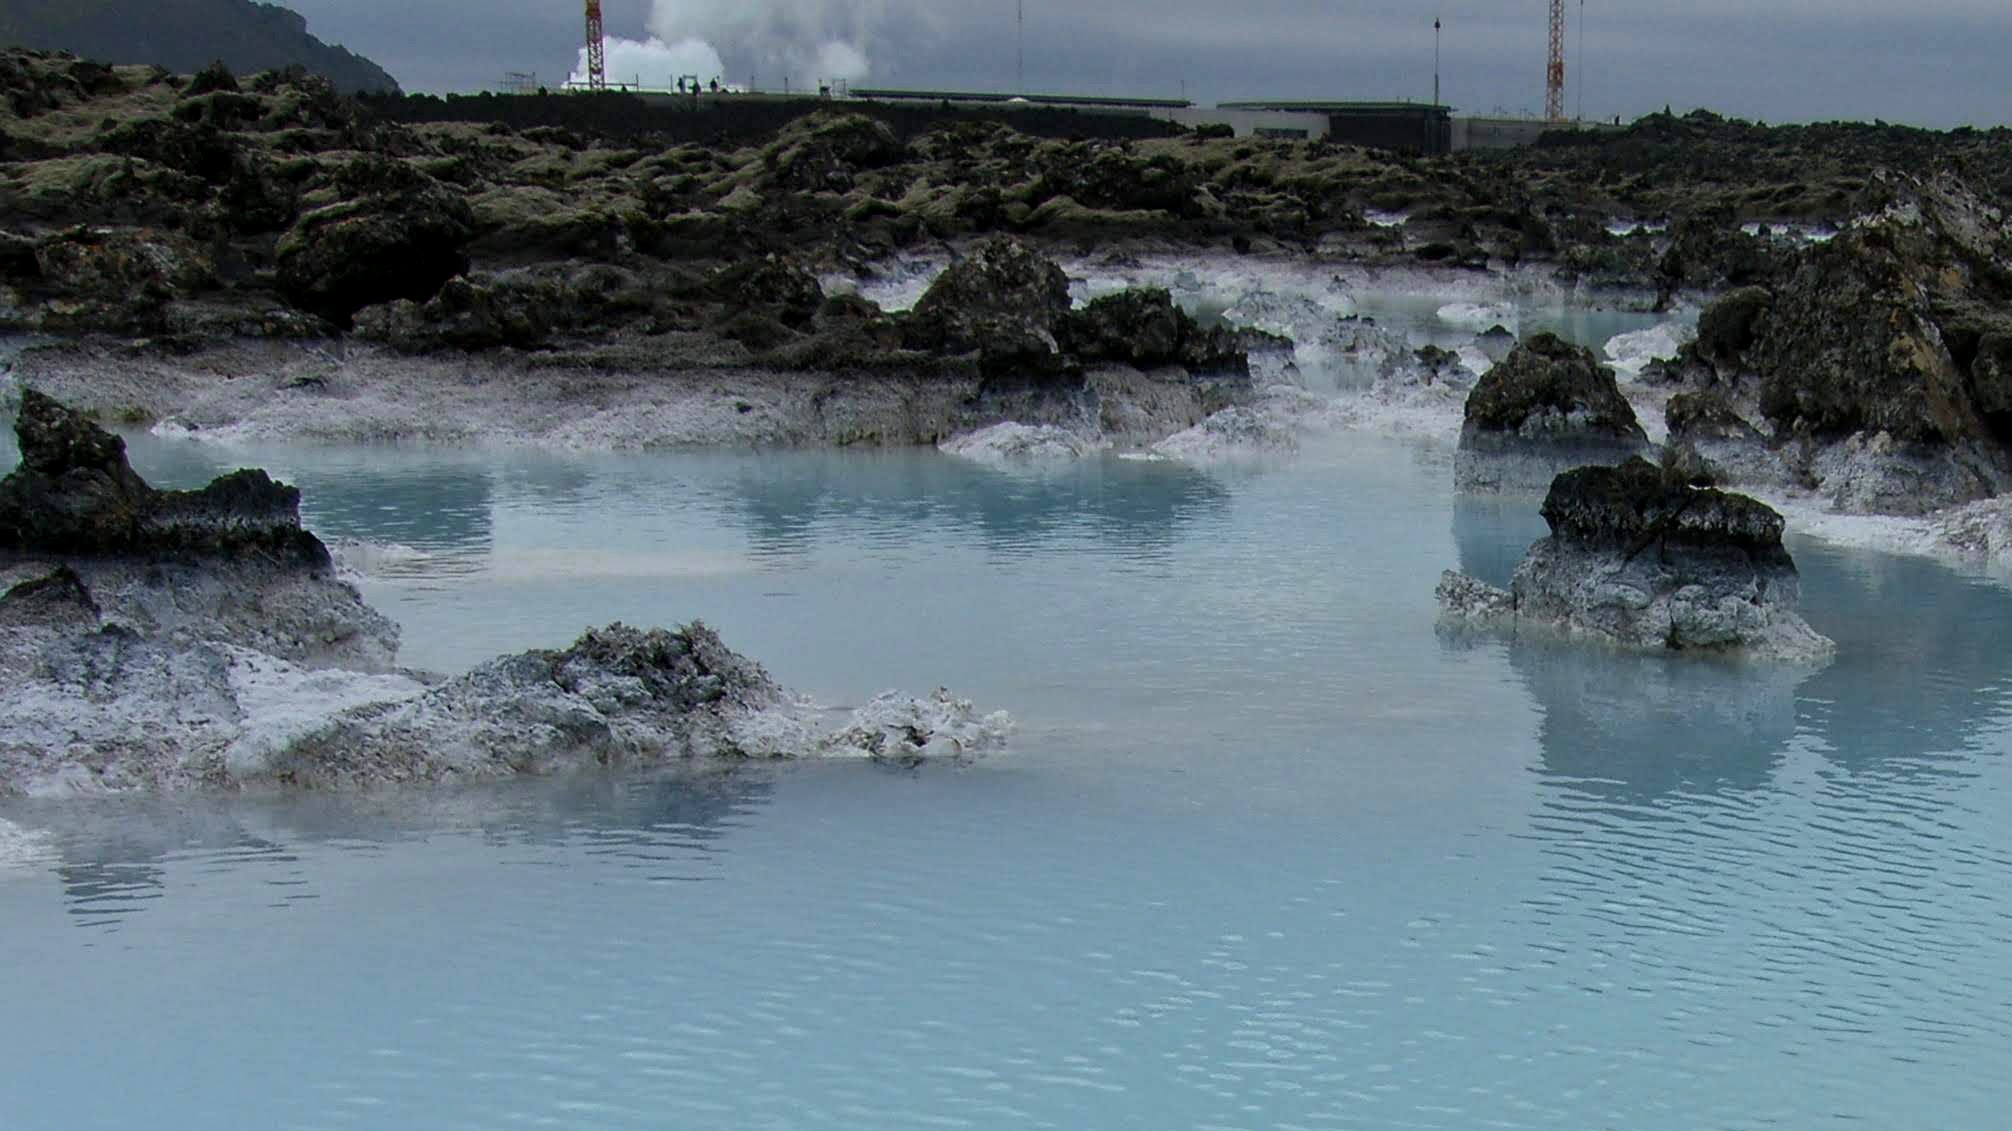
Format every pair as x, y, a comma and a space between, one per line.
1642, 558
1547, 406
160, 640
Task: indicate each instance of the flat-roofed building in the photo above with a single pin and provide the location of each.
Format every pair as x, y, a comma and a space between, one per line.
1412, 127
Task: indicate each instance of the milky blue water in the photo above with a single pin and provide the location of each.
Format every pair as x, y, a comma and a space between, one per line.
1269, 852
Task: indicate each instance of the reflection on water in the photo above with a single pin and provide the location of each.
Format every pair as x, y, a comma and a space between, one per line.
448, 504
1921, 673
1448, 321
1638, 728
1137, 507
1765, 877
112, 855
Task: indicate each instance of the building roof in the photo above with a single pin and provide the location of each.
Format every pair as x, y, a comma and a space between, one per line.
1319, 107
1064, 100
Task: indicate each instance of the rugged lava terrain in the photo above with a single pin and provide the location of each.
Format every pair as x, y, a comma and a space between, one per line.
142, 204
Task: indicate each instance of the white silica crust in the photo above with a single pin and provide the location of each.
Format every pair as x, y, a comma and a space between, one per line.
24, 850
1644, 603
1630, 353
1022, 445
1234, 434
107, 711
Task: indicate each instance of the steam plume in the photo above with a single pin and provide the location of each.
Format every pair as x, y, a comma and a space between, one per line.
803, 41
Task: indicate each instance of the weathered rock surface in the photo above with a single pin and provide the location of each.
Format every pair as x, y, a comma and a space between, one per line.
1004, 303
618, 696
394, 233
1144, 328
1549, 404
169, 640
75, 494
1880, 357
1549, 392
1013, 445
1707, 433
112, 710
1640, 559
195, 213
230, 562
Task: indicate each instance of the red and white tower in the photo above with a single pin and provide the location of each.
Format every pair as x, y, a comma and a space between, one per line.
1554, 73
597, 48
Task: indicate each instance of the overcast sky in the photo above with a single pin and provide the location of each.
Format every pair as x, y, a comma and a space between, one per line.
1931, 62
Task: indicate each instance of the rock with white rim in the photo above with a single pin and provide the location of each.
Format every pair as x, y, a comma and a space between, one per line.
159, 641
1642, 560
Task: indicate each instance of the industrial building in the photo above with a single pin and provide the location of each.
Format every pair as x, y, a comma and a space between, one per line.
1414, 127
1140, 107
1423, 128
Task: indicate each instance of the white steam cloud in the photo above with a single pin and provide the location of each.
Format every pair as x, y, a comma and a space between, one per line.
655, 64
801, 42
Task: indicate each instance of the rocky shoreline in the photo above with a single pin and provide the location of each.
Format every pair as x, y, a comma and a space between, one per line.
262, 259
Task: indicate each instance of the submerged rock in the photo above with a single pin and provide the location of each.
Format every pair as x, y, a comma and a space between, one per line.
1640, 559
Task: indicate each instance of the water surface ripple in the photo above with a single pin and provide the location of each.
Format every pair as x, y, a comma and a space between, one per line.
1271, 852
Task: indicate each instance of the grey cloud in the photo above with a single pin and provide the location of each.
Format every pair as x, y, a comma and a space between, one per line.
1935, 62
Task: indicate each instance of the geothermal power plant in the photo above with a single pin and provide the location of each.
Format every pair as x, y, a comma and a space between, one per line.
687, 106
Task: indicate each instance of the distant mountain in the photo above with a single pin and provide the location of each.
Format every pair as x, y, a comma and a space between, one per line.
186, 35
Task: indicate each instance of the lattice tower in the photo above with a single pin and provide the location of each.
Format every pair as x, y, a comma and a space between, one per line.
1554, 74
597, 48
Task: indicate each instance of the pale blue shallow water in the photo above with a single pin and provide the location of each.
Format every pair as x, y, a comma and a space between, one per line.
1269, 852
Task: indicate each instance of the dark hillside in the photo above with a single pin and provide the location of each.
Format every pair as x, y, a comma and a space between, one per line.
186, 35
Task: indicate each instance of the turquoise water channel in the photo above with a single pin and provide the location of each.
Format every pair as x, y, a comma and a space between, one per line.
1269, 851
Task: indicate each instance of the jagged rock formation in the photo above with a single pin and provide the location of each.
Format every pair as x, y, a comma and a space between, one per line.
392, 233
184, 216
1641, 559
229, 562
1881, 360
170, 640
186, 35
1144, 328
1003, 303
1549, 391
221, 174
1548, 404
75, 494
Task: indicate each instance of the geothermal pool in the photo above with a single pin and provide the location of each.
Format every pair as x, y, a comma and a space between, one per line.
1268, 851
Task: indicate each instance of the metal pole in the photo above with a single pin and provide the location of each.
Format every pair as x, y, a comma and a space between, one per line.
1020, 49
1435, 60
1582, 60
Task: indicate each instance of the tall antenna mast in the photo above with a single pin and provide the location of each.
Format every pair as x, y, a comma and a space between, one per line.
1581, 114
1554, 74
1435, 60
1020, 49
597, 48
